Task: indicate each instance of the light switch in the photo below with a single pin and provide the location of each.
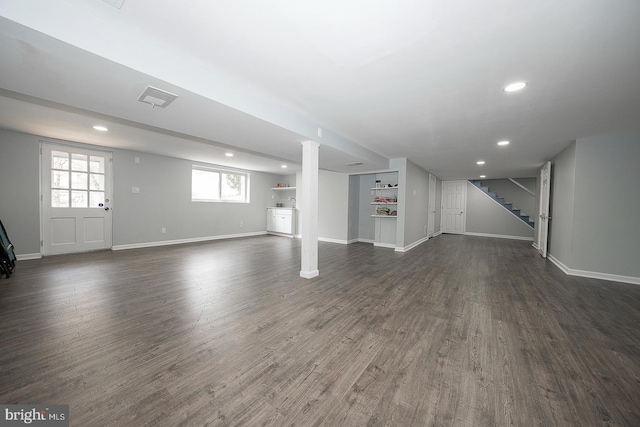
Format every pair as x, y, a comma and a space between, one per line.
135, 190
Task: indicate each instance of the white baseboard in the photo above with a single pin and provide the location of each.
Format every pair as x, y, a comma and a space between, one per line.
412, 245
182, 241
499, 236
366, 241
24, 257
535, 246
437, 233
384, 245
309, 274
593, 274
275, 233
327, 239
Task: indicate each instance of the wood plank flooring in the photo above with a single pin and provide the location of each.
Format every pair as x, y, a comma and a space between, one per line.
459, 331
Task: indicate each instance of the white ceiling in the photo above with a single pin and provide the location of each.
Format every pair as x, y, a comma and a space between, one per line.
420, 79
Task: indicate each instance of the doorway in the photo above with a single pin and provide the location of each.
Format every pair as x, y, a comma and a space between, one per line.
543, 224
454, 202
76, 199
431, 214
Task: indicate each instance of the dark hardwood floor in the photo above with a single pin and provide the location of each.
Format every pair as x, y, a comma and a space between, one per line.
460, 331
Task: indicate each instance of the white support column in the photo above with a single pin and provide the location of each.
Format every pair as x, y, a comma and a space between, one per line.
309, 210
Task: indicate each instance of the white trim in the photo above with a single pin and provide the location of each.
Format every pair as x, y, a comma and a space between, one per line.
24, 257
558, 263
464, 203
384, 245
499, 236
412, 245
436, 234
522, 186
275, 233
535, 245
593, 274
309, 274
366, 240
182, 241
327, 239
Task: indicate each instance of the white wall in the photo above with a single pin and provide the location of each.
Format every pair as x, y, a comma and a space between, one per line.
164, 199
20, 190
416, 208
486, 217
514, 194
607, 204
366, 224
333, 206
563, 170
595, 203
354, 208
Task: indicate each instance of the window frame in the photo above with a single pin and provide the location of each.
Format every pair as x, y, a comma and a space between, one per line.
220, 172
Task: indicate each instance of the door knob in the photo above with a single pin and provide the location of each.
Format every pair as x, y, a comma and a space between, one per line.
106, 209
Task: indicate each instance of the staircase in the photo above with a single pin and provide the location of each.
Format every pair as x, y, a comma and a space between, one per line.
507, 205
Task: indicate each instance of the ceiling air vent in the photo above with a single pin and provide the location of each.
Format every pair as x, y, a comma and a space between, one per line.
115, 3
354, 164
157, 97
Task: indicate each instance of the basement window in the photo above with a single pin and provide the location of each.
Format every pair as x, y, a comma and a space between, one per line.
213, 185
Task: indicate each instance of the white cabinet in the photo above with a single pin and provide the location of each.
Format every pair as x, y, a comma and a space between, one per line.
281, 220
271, 219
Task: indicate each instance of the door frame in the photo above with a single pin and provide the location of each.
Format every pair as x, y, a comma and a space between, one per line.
69, 145
463, 213
543, 209
431, 207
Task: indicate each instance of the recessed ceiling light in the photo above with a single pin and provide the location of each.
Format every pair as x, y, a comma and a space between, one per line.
283, 166
100, 128
483, 176
516, 86
480, 162
503, 143
228, 154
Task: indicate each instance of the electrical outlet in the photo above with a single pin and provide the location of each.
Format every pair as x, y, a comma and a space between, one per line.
241, 224
163, 231
135, 190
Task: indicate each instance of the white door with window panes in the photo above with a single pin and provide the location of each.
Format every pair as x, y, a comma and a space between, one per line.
76, 199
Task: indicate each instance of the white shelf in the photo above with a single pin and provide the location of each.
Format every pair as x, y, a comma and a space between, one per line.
283, 188
384, 216
384, 203
385, 188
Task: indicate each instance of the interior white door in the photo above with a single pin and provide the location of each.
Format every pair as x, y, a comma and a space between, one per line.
454, 201
543, 224
76, 199
431, 215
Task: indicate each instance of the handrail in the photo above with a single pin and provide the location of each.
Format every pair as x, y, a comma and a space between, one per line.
523, 187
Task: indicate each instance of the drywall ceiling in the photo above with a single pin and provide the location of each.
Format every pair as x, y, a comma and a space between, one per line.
409, 78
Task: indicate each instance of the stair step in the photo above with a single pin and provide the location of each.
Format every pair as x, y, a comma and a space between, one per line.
503, 202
